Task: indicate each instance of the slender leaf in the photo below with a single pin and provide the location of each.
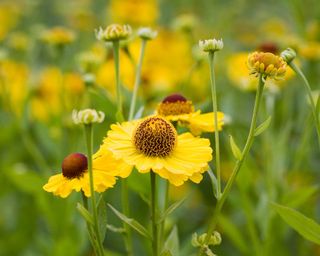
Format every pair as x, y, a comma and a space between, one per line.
299, 197
214, 182
171, 246
262, 127
171, 209
85, 214
305, 226
102, 217
235, 149
115, 229
131, 222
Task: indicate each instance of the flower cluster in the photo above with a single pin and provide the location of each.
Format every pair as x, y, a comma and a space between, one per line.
267, 64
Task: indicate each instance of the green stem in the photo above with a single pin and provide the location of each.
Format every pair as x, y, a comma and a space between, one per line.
137, 80
298, 71
89, 228
120, 118
116, 50
215, 113
89, 140
154, 214
126, 210
165, 206
239, 163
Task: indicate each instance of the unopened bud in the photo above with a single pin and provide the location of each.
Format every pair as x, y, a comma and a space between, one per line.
87, 116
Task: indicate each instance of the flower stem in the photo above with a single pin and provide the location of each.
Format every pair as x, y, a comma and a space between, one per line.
137, 80
215, 113
165, 206
154, 214
120, 118
298, 71
116, 49
239, 163
89, 139
89, 228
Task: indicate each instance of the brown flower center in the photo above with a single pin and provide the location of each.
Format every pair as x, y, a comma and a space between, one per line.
74, 165
155, 137
175, 104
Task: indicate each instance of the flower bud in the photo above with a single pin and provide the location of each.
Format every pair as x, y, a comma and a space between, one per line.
87, 116
288, 55
114, 32
211, 45
147, 33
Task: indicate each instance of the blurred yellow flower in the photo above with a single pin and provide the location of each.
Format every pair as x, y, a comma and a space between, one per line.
153, 144
9, 16
18, 41
177, 108
14, 84
56, 91
310, 50
75, 176
58, 36
134, 12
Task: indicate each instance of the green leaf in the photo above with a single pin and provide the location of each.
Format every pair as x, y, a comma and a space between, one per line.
234, 234
235, 149
132, 223
170, 209
85, 214
171, 246
300, 196
102, 217
214, 182
262, 127
115, 229
305, 226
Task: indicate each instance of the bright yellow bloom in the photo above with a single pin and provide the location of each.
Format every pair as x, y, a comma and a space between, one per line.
267, 64
58, 36
135, 12
154, 145
75, 175
177, 108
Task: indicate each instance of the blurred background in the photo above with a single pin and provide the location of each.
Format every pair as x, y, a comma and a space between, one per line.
52, 63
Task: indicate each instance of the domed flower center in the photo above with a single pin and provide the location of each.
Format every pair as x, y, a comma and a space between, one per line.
269, 47
74, 165
175, 104
155, 137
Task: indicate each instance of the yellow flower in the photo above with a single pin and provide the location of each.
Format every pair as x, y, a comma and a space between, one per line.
154, 145
267, 64
238, 74
75, 175
58, 36
146, 11
9, 17
310, 50
13, 87
177, 108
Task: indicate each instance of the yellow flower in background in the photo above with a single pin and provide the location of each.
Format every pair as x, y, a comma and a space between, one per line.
56, 91
18, 41
154, 145
58, 36
177, 108
310, 50
75, 176
9, 16
134, 12
14, 84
